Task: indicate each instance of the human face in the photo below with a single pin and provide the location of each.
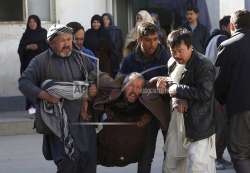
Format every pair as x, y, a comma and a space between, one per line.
106, 21
62, 44
191, 16
181, 53
96, 25
149, 44
138, 18
79, 38
32, 24
133, 90
232, 28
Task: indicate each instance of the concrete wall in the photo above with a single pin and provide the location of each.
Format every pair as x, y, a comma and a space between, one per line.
9, 61
214, 12
81, 10
10, 35
247, 4
227, 7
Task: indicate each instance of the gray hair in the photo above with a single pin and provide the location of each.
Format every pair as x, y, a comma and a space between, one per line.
131, 77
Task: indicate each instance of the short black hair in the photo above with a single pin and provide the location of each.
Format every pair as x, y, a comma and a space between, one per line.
192, 8
146, 29
176, 37
241, 19
224, 21
75, 26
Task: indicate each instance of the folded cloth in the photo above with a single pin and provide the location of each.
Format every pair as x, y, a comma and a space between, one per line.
55, 116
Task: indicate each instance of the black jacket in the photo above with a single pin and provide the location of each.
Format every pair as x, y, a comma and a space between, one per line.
196, 86
38, 37
233, 84
137, 62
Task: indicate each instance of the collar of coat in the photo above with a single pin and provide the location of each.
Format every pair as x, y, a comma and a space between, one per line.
140, 57
172, 63
241, 30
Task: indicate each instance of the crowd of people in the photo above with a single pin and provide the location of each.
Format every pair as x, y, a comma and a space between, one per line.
101, 99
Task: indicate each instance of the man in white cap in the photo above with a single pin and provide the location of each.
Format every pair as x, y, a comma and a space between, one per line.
62, 63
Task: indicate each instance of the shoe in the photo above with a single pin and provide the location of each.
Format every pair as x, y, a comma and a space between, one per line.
31, 111
219, 165
227, 164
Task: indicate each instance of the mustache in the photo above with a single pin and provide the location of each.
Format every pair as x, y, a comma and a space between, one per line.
66, 47
133, 94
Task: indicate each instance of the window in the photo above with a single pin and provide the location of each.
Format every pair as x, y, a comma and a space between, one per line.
19, 10
40, 8
11, 10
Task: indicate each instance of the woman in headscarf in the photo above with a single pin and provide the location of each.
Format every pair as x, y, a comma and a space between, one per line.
131, 39
33, 42
97, 39
116, 37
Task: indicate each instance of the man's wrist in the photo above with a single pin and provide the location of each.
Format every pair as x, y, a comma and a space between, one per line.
43, 95
173, 90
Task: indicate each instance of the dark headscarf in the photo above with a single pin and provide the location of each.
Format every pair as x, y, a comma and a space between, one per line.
116, 38
110, 18
94, 37
99, 42
37, 36
98, 18
37, 20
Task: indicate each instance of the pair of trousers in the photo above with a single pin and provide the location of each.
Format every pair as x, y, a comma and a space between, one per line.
144, 165
85, 162
239, 141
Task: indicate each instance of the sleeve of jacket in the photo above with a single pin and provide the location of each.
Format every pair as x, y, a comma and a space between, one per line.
21, 49
203, 88
206, 36
222, 83
124, 67
30, 80
43, 45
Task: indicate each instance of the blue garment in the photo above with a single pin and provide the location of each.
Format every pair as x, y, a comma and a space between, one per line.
137, 62
116, 37
200, 35
89, 52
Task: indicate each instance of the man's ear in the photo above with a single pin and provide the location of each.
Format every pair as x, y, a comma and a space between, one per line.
139, 40
51, 43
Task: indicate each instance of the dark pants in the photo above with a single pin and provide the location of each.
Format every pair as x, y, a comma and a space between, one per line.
239, 141
144, 165
85, 162
28, 104
222, 133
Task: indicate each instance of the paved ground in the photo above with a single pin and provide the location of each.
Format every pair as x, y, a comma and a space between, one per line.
22, 154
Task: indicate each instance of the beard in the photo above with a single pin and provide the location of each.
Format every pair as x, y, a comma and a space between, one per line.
62, 54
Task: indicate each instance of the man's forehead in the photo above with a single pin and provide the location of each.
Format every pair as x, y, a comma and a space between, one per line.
182, 45
137, 81
150, 36
63, 35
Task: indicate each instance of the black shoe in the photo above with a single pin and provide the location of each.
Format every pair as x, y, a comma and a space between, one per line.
219, 165
226, 163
